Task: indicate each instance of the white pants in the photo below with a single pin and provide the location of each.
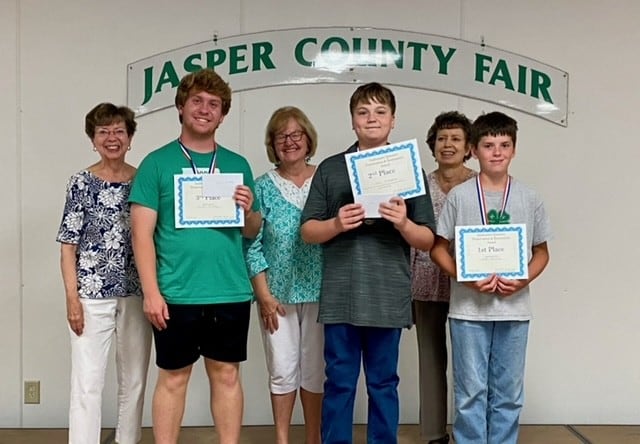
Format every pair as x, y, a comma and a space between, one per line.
294, 352
89, 354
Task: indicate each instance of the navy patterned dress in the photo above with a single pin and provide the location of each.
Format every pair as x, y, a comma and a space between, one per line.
96, 218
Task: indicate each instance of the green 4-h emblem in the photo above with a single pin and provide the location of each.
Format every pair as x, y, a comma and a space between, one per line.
498, 217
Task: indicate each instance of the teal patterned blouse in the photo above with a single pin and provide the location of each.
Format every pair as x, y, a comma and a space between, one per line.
293, 268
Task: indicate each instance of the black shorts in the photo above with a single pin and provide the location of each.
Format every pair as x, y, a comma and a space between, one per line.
216, 331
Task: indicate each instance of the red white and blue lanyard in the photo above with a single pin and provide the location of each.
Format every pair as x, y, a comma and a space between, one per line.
187, 154
482, 201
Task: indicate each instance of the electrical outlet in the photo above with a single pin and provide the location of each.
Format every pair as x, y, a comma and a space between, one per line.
32, 392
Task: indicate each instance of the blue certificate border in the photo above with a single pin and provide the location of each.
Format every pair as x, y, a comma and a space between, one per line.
522, 252
200, 223
417, 171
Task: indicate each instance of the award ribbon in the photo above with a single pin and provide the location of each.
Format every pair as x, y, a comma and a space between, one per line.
185, 151
483, 205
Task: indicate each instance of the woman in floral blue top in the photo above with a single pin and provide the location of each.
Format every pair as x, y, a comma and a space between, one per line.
286, 274
101, 284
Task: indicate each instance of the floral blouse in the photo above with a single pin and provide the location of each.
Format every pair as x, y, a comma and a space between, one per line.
293, 268
96, 218
428, 282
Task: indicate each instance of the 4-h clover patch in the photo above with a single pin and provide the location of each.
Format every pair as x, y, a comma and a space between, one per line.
498, 217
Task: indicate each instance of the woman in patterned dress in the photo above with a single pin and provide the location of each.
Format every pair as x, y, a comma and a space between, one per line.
286, 273
448, 140
102, 289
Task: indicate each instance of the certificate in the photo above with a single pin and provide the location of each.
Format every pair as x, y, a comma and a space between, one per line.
483, 250
371, 203
199, 205
378, 173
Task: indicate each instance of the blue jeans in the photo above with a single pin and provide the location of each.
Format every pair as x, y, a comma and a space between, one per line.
488, 377
344, 347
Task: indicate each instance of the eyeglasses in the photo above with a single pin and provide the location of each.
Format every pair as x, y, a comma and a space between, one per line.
103, 133
295, 136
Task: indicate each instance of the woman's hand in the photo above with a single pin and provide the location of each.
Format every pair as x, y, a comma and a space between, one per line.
270, 308
75, 315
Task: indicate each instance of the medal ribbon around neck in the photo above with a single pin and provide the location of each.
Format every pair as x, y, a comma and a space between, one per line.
187, 154
482, 201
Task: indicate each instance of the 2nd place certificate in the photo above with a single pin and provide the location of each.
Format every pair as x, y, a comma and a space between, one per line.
378, 174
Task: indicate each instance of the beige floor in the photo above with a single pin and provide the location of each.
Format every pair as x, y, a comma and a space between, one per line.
539, 434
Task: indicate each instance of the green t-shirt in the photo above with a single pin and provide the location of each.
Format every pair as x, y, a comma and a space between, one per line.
194, 265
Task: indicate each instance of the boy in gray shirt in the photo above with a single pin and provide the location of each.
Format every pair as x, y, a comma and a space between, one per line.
489, 318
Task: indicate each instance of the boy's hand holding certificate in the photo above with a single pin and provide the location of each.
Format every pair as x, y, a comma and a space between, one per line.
378, 174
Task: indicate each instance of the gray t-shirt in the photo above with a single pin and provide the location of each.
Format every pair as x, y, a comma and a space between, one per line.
365, 276
524, 206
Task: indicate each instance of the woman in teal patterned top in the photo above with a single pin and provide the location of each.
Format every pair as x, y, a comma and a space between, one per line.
286, 274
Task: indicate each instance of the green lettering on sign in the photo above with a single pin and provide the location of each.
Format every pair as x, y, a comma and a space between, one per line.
443, 59
501, 74
481, 66
236, 56
261, 52
299, 51
216, 57
390, 51
540, 84
417, 54
538, 87
190, 65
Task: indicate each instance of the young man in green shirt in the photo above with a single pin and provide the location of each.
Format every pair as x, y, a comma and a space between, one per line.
194, 280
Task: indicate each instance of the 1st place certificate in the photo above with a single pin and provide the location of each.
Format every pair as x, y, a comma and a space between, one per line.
378, 174
483, 250
206, 200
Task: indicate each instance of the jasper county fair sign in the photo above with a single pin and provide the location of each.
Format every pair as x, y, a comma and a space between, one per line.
355, 56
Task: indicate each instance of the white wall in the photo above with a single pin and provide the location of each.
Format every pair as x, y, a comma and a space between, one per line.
11, 370
61, 58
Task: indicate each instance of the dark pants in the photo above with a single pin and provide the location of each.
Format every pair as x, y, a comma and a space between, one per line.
345, 346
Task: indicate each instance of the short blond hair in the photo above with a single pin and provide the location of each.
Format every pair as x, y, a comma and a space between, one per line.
279, 120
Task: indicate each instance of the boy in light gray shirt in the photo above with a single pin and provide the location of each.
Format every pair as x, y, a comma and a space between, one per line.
489, 318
